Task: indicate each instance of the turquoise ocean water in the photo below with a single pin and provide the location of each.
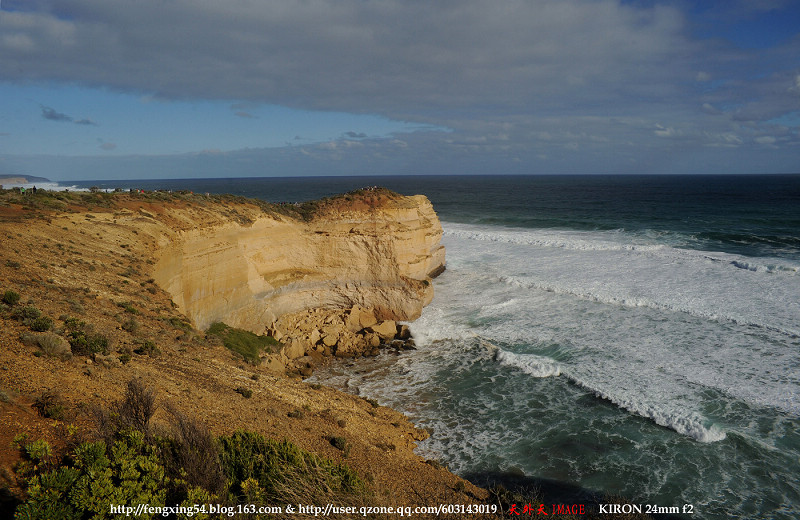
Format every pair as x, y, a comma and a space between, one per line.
628, 335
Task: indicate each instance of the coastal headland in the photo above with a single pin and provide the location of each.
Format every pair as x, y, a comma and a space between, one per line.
150, 272
217, 307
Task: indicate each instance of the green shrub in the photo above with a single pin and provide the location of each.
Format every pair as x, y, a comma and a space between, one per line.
128, 307
50, 404
245, 392
86, 343
244, 343
29, 312
11, 297
72, 324
186, 465
147, 348
131, 325
126, 473
340, 443
180, 323
40, 324
284, 473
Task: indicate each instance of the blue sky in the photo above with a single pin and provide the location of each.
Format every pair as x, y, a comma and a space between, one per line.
103, 89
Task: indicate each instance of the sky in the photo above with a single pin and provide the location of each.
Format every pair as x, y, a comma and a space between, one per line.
109, 89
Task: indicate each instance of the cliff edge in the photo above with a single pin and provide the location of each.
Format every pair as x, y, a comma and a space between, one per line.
333, 282
376, 250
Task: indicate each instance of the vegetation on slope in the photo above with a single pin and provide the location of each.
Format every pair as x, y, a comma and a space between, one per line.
129, 462
244, 343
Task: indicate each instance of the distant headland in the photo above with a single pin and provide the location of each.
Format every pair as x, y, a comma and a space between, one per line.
11, 179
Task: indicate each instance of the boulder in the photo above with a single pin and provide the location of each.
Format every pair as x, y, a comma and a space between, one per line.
367, 318
403, 332
273, 364
352, 321
360, 318
293, 348
373, 340
386, 329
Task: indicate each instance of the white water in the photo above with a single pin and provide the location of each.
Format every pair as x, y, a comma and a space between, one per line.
527, 323
650, 326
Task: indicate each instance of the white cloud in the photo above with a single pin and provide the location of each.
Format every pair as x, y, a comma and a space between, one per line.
703, 76
665, 132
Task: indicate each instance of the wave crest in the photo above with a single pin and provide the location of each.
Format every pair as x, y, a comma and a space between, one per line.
531, 364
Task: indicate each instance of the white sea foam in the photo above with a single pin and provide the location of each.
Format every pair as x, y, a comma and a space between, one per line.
607, 267
684, 422
691, 424
694, 320
531, 364
574, 240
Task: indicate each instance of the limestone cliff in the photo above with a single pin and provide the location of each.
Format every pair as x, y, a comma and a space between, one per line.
373, 250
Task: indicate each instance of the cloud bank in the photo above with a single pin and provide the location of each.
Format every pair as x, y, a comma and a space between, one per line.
547, 83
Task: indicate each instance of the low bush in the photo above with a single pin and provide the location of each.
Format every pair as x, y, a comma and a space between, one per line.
131, 325
180, 323
137, 407
50, 404
53, 345
284, 473
245, 392
185, 465
129, 308
96, 477
340, 443
244, 343
11, 297
87, 343
147, 348
29, 312
190, 449
83, 339
40, 324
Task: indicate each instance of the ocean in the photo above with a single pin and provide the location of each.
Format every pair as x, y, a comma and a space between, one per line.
636, 336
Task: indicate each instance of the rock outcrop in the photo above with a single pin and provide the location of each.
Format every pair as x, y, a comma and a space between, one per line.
367, 258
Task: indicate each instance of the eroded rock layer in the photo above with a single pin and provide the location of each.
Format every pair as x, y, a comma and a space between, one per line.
374, 252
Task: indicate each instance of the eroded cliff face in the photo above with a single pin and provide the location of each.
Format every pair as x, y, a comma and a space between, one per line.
375, 252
